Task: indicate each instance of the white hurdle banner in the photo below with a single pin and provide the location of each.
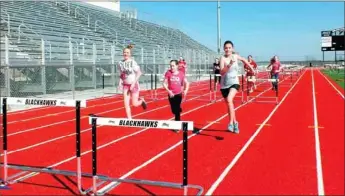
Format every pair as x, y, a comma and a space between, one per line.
42, 102
268, 80
142, 123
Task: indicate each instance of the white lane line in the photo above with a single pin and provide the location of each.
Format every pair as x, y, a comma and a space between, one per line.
320, 186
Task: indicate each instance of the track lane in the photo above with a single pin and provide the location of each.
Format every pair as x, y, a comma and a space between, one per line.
330, 108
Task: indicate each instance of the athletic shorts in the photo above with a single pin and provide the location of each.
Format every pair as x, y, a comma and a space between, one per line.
225, 91
128, 86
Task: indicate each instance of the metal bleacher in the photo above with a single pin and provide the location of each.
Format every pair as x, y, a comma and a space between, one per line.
48, 46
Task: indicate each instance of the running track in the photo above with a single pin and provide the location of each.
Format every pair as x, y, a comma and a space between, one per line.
295, 147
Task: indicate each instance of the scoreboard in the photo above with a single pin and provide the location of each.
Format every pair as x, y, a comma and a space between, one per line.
332, 42
339, 42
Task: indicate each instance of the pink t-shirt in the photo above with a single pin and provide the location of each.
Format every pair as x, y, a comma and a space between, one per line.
182, 66
275, 67
175, 81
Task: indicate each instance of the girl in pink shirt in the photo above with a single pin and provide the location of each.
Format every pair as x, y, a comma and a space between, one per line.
182, 66
129, 81
175, 83
276, 68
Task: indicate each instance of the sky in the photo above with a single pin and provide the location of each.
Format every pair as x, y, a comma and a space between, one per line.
291, 30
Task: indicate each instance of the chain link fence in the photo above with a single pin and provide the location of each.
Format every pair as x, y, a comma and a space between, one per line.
73, 81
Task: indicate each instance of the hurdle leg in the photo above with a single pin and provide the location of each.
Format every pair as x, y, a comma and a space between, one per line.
210, 88
277, 92
94, 156
4, 137
79, 173
94, 184
152, 91
215, 88
156, 87
78, 147
242, 89
185, 190
291, 79
247, 90
185, 157
210, 96
215, 93
79, 176
5, 167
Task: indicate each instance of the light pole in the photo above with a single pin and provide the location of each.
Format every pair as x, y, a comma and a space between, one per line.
218, 26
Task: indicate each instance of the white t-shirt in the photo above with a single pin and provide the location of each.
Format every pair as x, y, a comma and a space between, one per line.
127, 70
231, 76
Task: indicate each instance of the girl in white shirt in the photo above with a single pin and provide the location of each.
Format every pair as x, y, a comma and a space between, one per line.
129, 81
229, 83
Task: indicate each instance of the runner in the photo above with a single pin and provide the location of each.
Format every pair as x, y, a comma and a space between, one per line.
129, 81
175, 83
230, 82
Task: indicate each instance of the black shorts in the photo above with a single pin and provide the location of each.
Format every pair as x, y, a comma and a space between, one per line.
225, 91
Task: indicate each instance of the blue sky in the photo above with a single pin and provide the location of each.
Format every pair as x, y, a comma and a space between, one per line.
263, 29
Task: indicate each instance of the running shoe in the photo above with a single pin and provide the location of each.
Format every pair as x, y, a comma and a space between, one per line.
231, 127
143, 104
236, 129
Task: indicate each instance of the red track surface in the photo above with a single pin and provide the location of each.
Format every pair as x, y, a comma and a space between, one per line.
280, 159
331, 121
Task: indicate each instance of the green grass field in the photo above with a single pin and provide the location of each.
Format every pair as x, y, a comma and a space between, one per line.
338, 77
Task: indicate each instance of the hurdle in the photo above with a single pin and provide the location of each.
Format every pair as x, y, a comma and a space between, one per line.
8, 180
288, 74
212, 95
110, 83
153, 85
141, 123
242, 88
264, 80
